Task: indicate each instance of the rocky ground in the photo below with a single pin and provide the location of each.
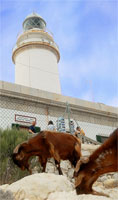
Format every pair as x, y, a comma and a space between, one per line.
46, 186
51, 186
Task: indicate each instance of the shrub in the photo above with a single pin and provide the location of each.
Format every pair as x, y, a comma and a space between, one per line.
9, 139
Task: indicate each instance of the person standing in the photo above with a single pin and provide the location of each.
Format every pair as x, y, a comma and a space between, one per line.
51, 126
78, 131
82, 132
32, 129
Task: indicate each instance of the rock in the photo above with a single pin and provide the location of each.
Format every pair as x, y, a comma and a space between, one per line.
63, 196
89, 147
39, 186
6, 195
47, 186
110, 183
113, 193
98, 184
108, 176
85, 153
92, 197
70, 173
102, 178
4, 187
65, 165
72, 196
50, 168
115, 176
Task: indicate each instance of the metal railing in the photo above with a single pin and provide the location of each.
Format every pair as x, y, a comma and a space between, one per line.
87, 140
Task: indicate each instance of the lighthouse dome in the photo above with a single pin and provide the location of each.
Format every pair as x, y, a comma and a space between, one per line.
34, 21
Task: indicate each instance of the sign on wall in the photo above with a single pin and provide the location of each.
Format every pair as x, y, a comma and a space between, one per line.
24, 119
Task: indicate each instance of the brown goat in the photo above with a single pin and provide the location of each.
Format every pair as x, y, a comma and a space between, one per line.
103, 160
47, 144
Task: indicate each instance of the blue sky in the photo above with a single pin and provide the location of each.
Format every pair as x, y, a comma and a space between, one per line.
86, 32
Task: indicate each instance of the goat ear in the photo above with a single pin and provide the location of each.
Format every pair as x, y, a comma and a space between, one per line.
20, 156
78, 180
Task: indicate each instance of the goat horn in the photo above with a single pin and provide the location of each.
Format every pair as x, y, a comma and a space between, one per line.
82, 160
78, 166
16, 149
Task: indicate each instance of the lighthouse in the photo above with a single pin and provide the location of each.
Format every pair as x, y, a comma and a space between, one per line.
36, 56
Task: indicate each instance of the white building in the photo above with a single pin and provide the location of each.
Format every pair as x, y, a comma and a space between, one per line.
36, 56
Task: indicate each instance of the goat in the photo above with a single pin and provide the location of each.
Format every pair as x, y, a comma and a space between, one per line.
103, 160
48, 144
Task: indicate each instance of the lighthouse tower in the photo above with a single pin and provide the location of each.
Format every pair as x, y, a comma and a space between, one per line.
36, 56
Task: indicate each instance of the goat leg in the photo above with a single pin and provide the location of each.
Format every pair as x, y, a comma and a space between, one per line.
58, 167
